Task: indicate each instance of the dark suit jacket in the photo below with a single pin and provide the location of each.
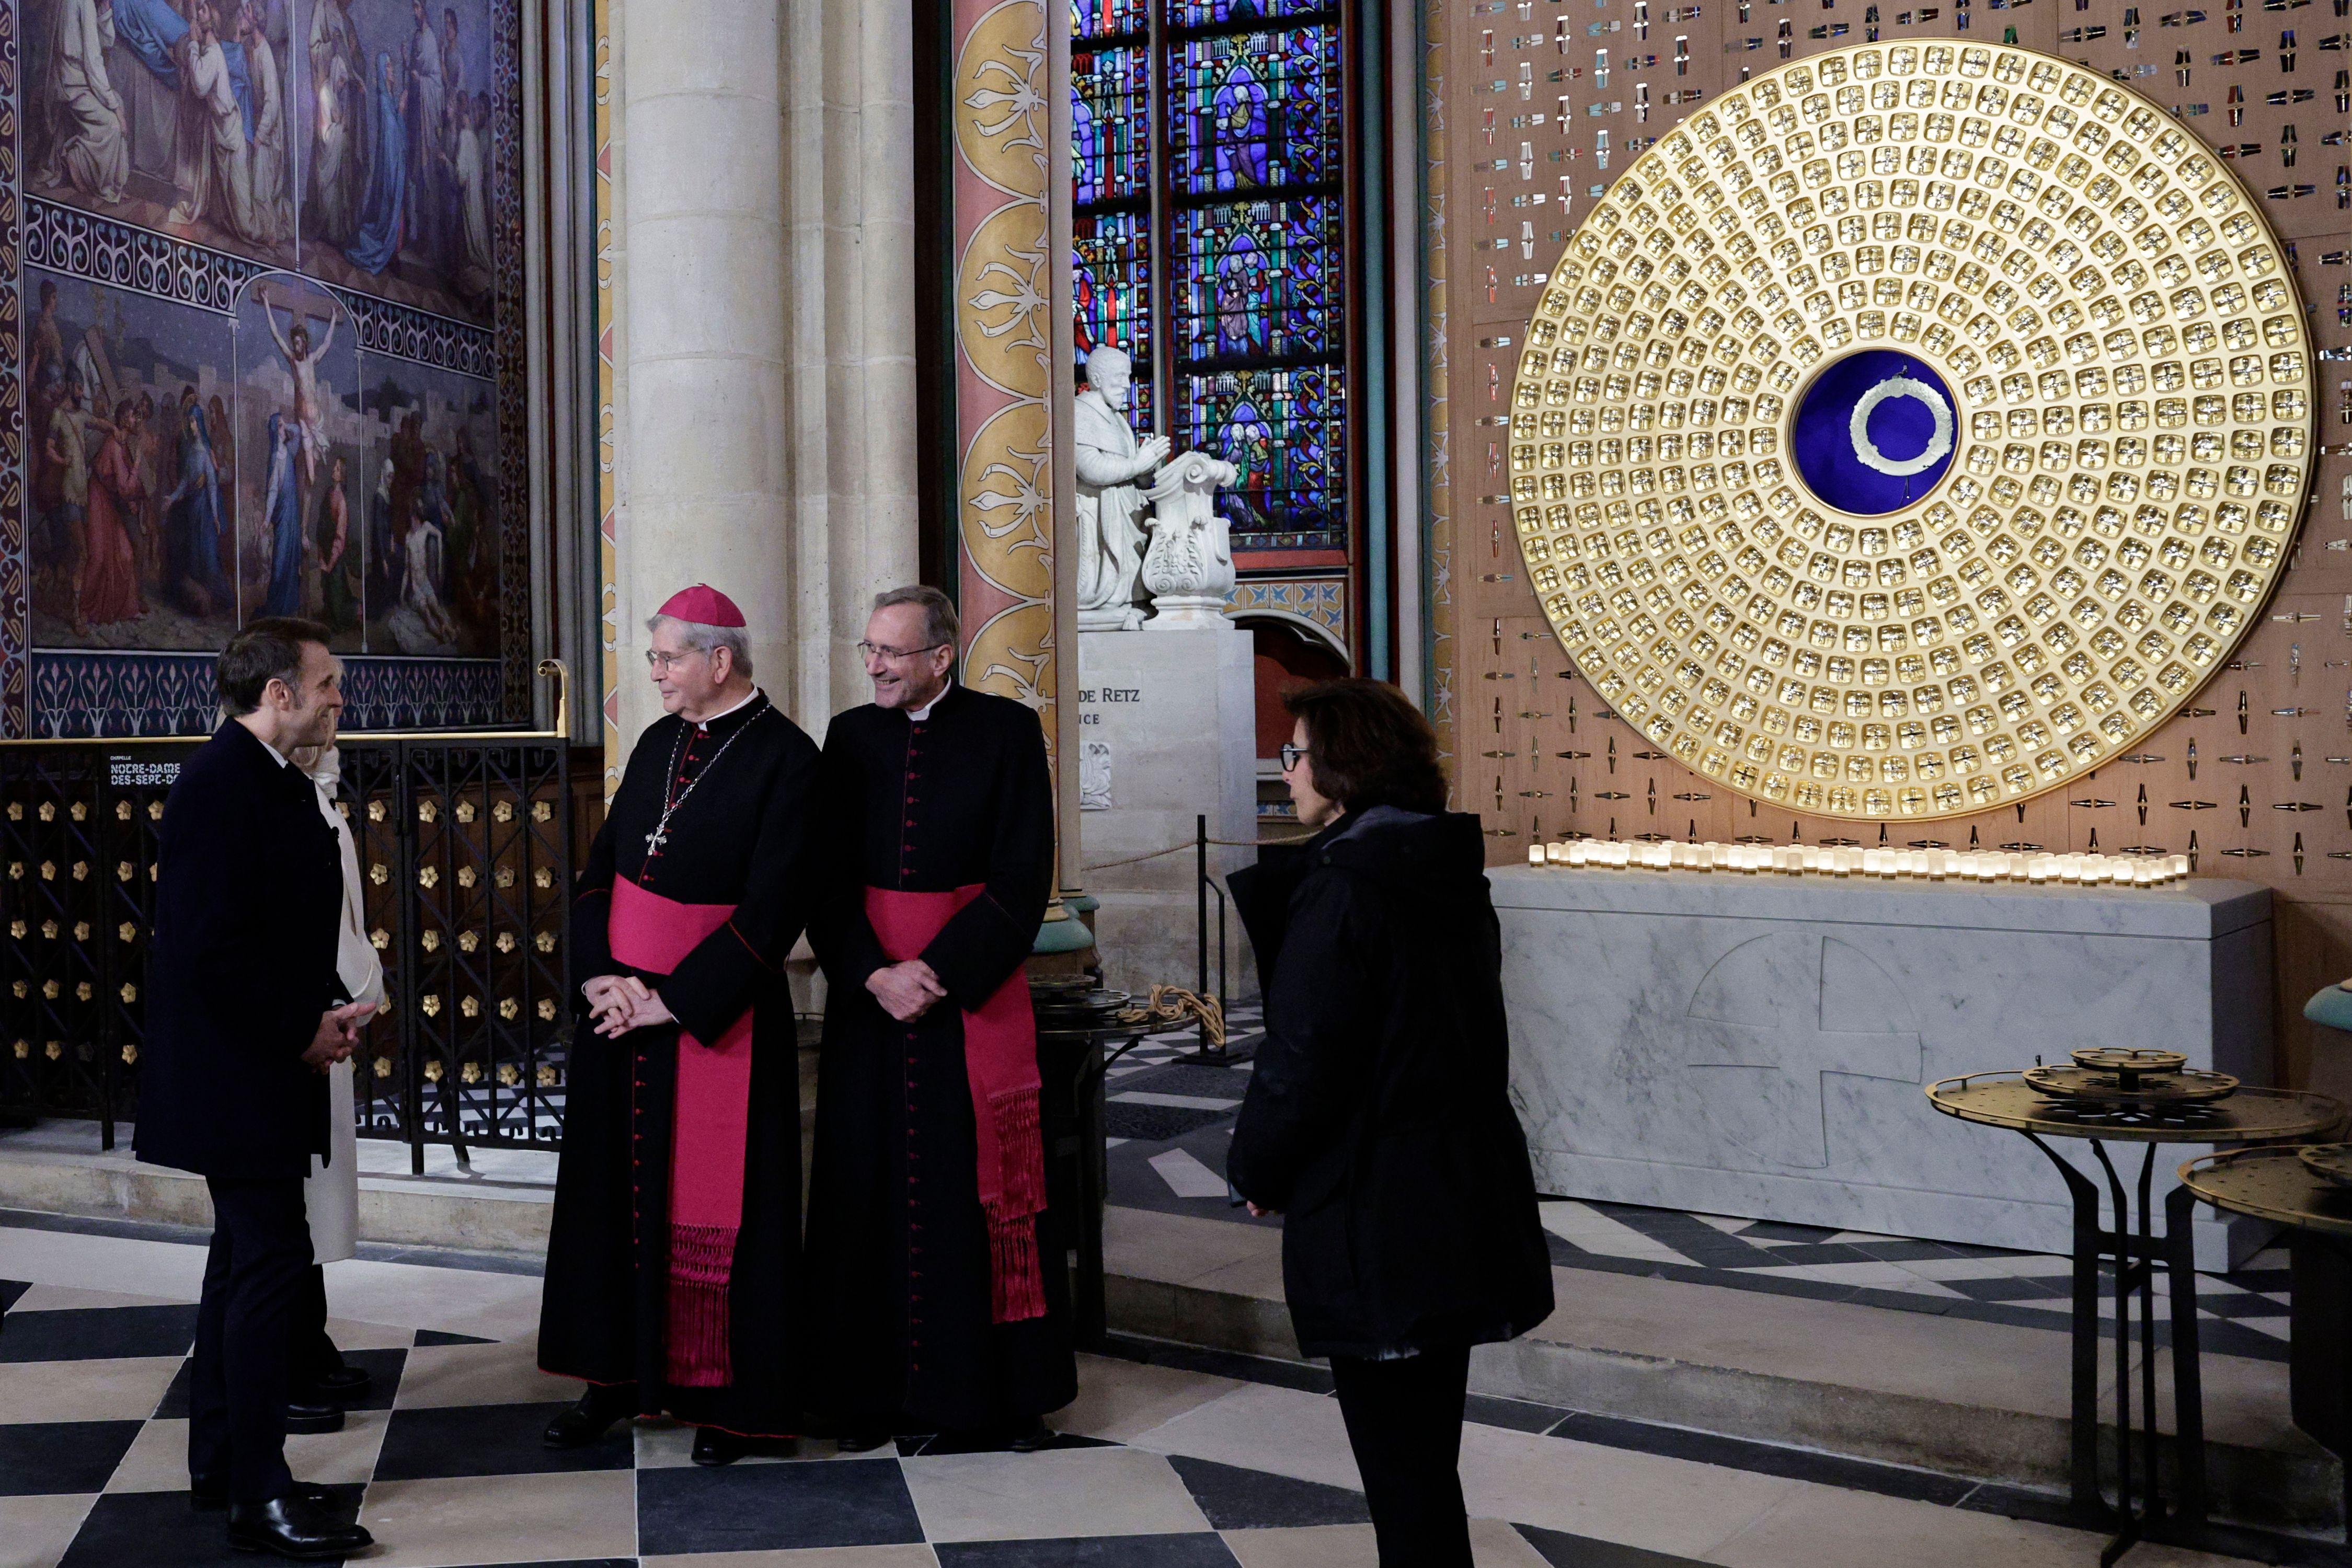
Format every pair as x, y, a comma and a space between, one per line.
248, 903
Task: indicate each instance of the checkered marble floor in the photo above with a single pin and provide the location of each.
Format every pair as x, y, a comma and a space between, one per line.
1171, 1120
1169, 1459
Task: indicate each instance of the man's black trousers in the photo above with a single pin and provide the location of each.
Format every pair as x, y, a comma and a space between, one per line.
1404, 1422
254, 1279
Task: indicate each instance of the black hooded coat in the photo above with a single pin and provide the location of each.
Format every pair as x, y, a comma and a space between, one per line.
1378, 1117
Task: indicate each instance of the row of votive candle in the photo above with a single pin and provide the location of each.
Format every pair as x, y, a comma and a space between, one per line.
1883, 862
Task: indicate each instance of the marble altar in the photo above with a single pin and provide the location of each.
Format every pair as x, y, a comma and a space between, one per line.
1760, 1046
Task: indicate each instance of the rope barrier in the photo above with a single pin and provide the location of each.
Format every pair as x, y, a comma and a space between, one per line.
1174, 1004
1194, 844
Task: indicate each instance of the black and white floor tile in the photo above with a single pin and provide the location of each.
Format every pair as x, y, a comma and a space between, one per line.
1171, 1118
1169, 1459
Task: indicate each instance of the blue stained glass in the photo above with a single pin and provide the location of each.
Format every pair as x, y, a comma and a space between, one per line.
1113, 261
1110, 149
1255, 111
1257, 280
1284, 430
1106, 18
1213, 13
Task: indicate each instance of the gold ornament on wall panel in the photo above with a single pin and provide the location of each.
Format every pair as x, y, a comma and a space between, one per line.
1013, 655
1000, 88
1001, 297
1912, 430
1007, 472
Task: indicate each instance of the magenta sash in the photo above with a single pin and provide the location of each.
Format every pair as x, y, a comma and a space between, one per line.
651, 933
1000, 1055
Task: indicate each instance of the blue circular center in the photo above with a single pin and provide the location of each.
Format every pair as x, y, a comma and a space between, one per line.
1874, 432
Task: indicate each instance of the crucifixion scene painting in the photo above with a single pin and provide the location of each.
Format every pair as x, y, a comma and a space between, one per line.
192, 470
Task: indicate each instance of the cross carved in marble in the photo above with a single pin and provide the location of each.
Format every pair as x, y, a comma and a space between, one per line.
1788, 1012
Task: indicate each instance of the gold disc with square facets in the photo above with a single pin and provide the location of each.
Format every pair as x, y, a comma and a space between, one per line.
2126, 387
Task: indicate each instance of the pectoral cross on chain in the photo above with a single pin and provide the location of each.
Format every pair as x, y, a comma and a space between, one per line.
658, 837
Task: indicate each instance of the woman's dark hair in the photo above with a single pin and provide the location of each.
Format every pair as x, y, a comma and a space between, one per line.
263, 651
1366, 746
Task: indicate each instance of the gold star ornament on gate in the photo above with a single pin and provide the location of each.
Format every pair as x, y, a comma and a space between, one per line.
1912, 429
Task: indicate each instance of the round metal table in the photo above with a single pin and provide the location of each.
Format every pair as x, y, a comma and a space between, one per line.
2274, 1184
2249, 1117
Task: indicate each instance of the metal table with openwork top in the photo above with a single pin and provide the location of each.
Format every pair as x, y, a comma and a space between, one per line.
2147, 1098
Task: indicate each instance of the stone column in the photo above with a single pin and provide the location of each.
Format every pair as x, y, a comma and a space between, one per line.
763, 261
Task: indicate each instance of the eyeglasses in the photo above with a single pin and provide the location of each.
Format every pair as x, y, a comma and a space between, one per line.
1291, 756
667, 662
877, 651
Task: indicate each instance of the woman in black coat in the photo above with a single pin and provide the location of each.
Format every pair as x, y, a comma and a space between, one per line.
1378, 1120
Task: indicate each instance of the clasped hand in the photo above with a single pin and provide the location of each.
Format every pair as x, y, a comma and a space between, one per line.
620, 1003
337, 1036
907, 991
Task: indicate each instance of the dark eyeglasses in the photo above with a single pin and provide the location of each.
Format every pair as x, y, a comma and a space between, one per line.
1291, 755
877, 651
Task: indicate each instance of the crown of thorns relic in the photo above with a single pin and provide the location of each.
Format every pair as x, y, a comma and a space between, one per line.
1912, 430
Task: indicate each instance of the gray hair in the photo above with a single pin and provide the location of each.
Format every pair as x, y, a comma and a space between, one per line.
941, 627
705, 639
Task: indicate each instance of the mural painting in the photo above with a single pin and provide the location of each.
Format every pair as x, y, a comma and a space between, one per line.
431, 505
272, 348
126, 493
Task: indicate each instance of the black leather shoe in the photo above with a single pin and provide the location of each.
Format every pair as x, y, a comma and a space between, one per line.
306, 1414
213, 1496
860, 1442
294, 1527
713, 1447
340, 1385
589, 1419
1030, 1438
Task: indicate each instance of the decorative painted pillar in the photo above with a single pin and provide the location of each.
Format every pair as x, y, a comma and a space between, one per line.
1013, 366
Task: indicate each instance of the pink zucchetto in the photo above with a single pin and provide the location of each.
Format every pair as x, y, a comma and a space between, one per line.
703, 605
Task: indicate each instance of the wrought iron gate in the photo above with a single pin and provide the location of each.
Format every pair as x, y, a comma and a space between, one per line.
466, 848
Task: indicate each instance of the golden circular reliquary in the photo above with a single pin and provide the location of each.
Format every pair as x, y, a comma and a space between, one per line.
1912, 430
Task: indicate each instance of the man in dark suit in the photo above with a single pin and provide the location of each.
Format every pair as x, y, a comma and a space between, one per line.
242, 1028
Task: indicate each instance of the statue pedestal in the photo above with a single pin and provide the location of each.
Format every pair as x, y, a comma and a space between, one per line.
1167, 732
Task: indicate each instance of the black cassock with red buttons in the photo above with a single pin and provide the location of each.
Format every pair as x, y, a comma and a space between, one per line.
898, 1311
741, 833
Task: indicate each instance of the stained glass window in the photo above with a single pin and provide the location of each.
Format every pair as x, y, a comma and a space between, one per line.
1114, 294
1110, 146
1237, 302
1255, 111
1283, 428
1255, 281
1106, 18
1218, 13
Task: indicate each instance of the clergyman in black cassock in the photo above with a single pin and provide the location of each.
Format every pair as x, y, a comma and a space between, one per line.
937, 1303
675, 1238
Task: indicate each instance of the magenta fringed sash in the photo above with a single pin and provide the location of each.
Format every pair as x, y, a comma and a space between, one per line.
1000, 1055
651, 933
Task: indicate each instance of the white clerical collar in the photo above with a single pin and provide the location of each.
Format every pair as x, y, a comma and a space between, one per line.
922, 715
703, 725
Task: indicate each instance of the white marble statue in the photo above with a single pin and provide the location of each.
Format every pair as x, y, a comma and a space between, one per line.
1094, 776
1189, 565
1110, 531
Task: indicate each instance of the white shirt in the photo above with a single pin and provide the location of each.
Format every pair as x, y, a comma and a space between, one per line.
921, 715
